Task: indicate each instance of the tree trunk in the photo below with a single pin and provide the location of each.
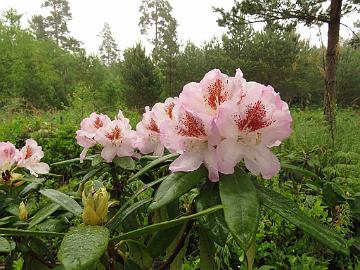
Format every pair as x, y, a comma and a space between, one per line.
330, 67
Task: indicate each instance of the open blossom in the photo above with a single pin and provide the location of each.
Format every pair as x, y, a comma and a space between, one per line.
29, 157
8, 153
88, 128
213, 90
117, 138
148, 130
191, 136
250, 127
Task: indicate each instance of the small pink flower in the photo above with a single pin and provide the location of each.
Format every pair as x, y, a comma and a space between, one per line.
117, 139
8, 154
191, 136
29, 157
88, 128
213, 90
250, 127
148, 130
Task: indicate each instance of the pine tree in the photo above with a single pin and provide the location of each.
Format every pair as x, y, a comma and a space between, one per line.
142, 84
56, 24
109, 52
37, 27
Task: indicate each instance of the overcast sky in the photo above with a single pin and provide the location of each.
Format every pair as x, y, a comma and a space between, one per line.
196, 20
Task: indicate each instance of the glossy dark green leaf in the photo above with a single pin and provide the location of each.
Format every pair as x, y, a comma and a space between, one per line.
52, 225
214, 224
177, 184
207, 251
6, 245
82, 246
152, 164
241, 206
126, 163
43, 214
29, 188
91, 173
290, 211
121, 216
7, 220
63, 200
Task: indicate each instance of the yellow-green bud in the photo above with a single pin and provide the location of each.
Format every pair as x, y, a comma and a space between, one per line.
95, 206
23, 213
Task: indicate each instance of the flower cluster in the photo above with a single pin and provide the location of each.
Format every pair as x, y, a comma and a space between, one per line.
218, 122
115, 136
28, 157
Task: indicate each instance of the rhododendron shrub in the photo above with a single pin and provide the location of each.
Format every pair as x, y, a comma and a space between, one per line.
195, 159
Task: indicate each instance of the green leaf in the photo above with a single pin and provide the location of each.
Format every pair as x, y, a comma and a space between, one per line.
121, 216
18, 232
250, 256
43, 214
241, 206
82, 246
299, 170
30, 187
96, 160
290, 211
163, 225
152, 164
126, 163
137, 252
207, 251
63, 200
6, 245
214, 224
177, 184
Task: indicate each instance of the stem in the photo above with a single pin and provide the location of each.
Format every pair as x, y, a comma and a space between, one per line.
9, 231
164, 225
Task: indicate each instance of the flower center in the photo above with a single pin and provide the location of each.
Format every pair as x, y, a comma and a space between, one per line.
217, 94
28, 152
169, 109
153, 126
190, 126
98, 123
254, 119
115, 134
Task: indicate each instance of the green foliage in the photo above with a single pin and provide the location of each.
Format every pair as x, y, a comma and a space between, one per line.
141, 79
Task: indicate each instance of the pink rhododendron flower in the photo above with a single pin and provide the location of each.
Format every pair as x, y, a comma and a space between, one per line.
250, 127
88, 128
148, 130
8, 153
29, 157
191, 136
117, 138
213, 90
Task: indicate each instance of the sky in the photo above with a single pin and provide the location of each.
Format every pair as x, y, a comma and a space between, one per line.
196, 20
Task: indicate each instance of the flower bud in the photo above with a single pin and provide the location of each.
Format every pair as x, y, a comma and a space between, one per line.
23, 213
95, 206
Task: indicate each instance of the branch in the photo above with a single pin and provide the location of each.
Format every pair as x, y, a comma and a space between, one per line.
352, 31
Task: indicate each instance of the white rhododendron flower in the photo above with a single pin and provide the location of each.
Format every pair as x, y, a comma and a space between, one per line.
117, 139
193, 137
8, 153
88, 128
250, 127
29, 157
148, 129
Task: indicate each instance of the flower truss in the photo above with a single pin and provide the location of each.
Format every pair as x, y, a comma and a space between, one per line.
218, 122
28, 157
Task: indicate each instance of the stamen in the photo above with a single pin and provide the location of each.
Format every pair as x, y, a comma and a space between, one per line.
169, 109
28, 152
98, 123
